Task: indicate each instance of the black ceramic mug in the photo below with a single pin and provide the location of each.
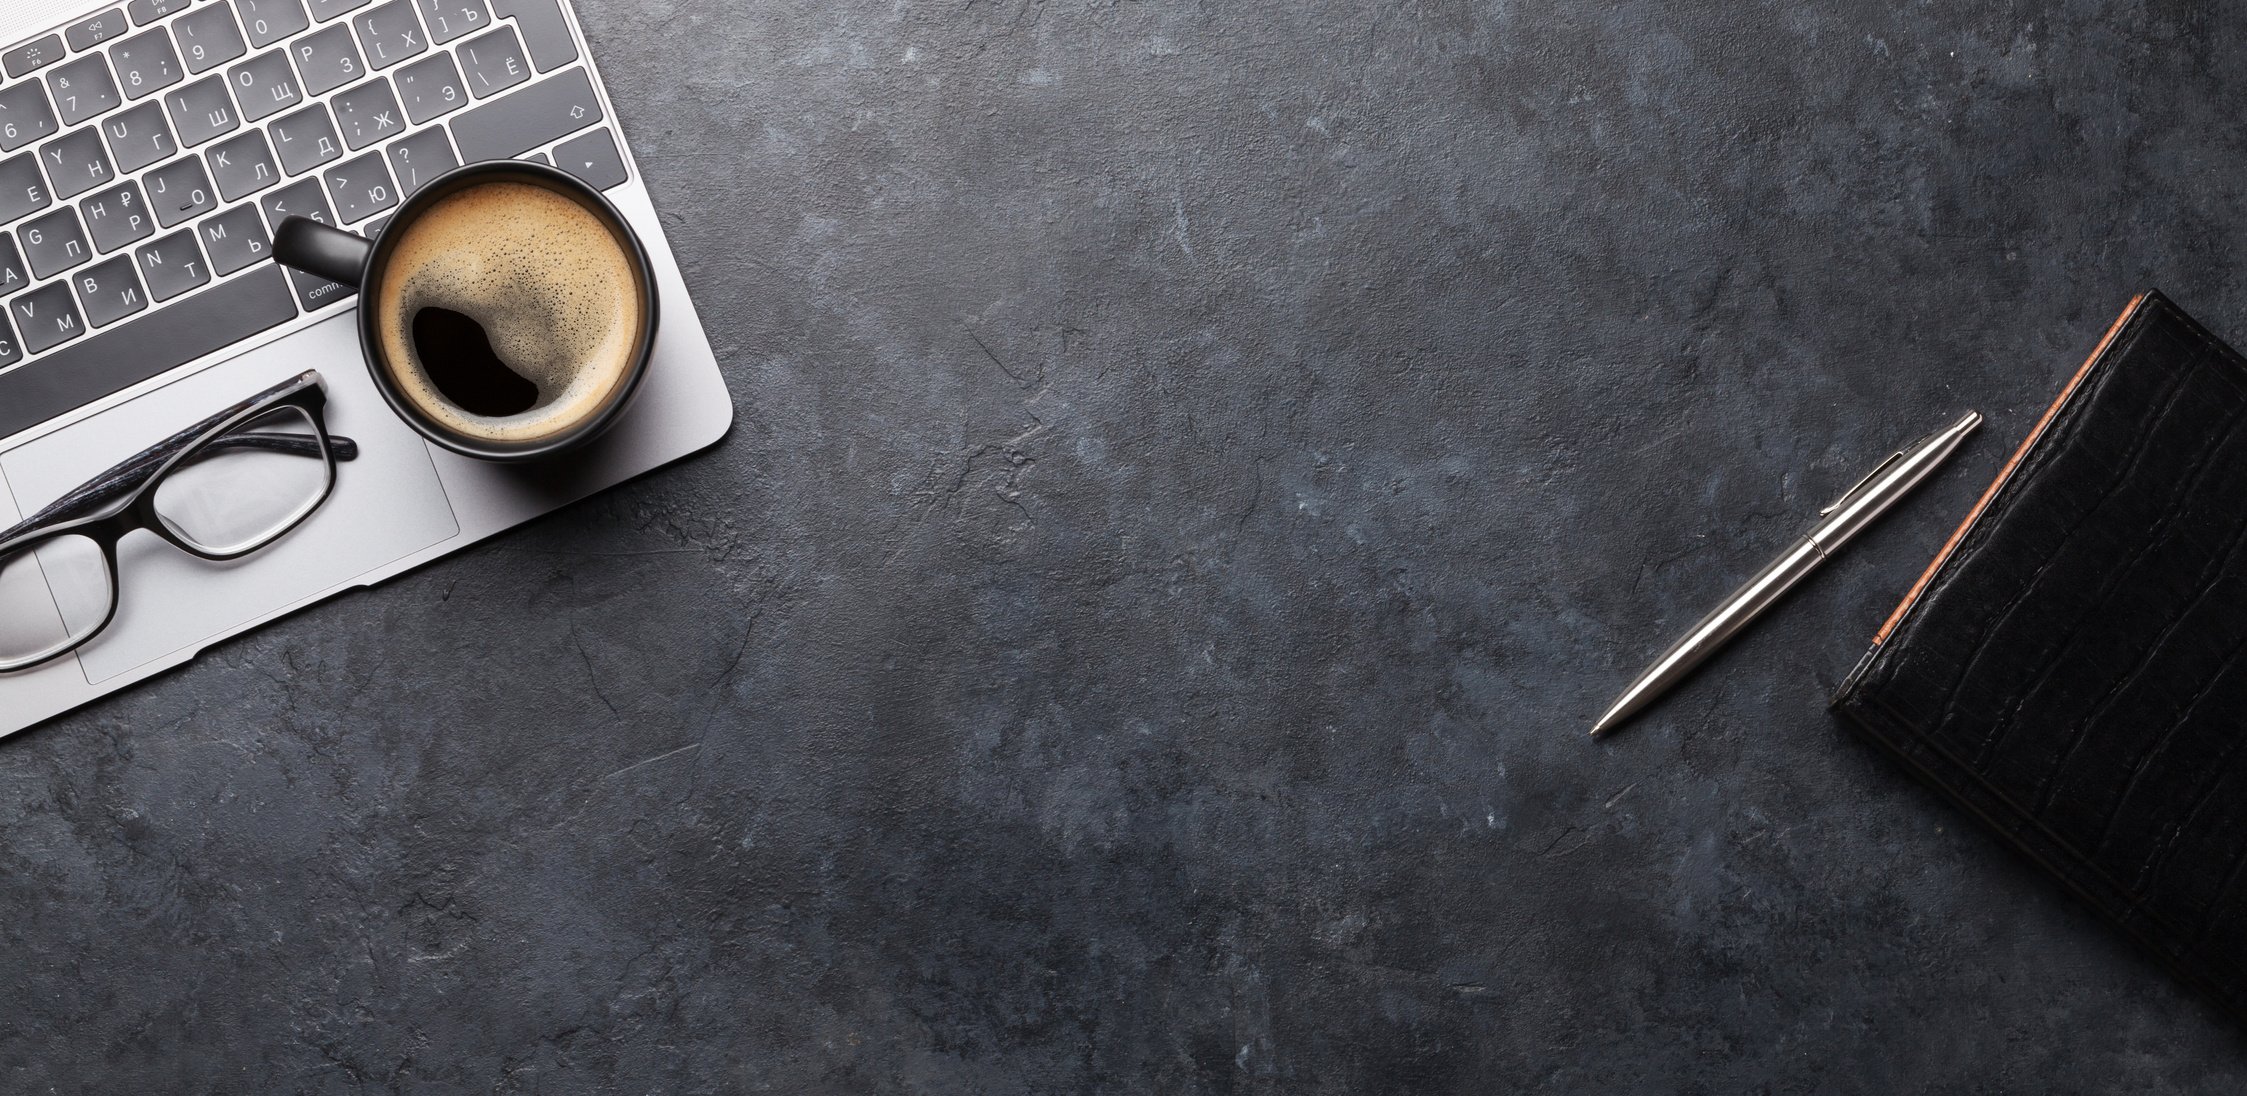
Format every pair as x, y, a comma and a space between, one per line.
555, 296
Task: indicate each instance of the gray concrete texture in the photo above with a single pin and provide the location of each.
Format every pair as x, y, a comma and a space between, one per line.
1200, 468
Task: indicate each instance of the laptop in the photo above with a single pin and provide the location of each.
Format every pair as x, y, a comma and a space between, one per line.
147, 150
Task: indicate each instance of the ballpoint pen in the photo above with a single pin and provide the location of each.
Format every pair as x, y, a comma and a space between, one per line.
1857, 508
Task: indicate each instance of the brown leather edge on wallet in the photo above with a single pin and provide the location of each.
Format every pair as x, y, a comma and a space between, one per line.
2006, 473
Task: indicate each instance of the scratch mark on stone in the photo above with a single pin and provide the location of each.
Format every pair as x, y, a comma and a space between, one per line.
653, 760
1618, 797
986, 348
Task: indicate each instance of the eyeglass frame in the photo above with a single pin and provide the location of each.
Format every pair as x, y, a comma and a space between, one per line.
126, 493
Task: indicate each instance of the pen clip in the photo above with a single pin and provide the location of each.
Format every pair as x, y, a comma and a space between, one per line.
1860, 485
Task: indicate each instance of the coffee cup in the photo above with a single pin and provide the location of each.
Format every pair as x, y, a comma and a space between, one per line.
507, 311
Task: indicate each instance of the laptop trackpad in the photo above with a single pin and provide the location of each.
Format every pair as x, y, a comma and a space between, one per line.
387, 503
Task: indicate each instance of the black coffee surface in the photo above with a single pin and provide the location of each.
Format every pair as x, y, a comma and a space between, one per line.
457, 354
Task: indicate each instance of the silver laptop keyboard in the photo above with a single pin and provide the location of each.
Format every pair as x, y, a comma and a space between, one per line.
147, 152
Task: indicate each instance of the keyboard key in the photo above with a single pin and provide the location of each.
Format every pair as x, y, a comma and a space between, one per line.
269, 21
430, 89
362, 188
88, 33
449, 19
54, 243
367, 114
324, 10
208, 37
25, 116
234, 239
302, 198
391, 33
593, 158
11, 351
147, 11
373, 228
173, 265
32, 55
180, 190
22, 189
421, 157
145, 63
139, 137
242, 165
116, 217
13, 275
264, 85
76, 162
543, 31
526, 119
305, 140
48, 318
494, 63
83, 88
327, 59
110, 291
203, 110
132, 352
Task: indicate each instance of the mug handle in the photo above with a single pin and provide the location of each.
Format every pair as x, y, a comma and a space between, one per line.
307, 245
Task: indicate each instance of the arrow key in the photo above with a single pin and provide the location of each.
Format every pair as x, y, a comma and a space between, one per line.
592, 158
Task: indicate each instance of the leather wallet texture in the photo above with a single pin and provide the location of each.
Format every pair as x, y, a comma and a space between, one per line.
2073, 668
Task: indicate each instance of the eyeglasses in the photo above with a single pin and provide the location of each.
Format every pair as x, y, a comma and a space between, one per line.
220, 489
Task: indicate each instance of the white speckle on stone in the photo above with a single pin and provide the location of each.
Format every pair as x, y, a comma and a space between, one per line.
1036, 78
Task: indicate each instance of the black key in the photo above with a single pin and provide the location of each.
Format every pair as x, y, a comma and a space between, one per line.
449, 19
75, 162
180, 190
10, 350
327, 59
22, 189
208, 37
494, 62
13, 275
422, 157
48, 318
324, 10
543, 30
31, 55
305, 140
88, 33
203, 110
235, 239
430, 89
82, 88
139, 137
264, 85
242, 165
146, 11
54, 243
526, 119
302, 198
110, 291
391, 33
130, 353
593, 158
362, 188
116, 217
374, 227
269, 21
367, 114
173, 265
25, 116
145, 63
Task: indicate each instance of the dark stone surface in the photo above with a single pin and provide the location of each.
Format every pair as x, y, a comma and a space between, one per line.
1199, 470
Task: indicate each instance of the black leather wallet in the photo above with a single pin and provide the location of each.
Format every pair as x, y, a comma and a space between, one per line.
2073, 667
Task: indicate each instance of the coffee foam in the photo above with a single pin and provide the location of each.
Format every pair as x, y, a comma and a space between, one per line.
549, 283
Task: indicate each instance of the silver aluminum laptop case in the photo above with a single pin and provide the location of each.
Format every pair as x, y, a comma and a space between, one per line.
402, 504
